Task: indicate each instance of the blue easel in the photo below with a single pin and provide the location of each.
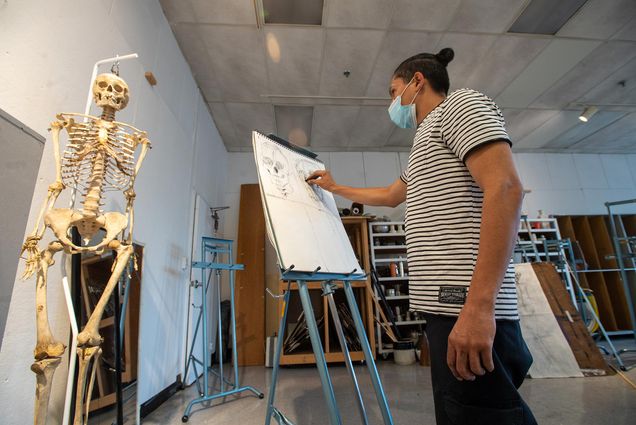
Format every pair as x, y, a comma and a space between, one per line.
216, 248
328, 285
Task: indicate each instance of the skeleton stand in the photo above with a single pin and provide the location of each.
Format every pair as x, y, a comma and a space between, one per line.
329, 288
215, 247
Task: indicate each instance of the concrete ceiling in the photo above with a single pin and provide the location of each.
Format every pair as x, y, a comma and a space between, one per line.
542, 83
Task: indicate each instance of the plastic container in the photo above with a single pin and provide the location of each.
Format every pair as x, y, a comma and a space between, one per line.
404, 352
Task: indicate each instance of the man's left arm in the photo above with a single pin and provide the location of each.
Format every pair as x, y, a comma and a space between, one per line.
470, 342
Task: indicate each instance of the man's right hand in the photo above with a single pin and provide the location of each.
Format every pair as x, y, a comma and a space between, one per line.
322, 179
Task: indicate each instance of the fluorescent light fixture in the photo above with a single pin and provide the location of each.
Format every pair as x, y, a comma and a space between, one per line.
587, 113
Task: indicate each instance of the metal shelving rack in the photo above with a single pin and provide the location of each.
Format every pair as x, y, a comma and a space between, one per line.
387, 248
539, 239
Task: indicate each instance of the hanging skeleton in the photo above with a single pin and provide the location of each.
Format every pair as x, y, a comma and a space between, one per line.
99, 156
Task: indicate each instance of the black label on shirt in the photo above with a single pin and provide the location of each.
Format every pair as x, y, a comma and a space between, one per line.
452, 295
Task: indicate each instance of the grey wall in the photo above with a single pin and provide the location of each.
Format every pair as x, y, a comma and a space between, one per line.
20, 154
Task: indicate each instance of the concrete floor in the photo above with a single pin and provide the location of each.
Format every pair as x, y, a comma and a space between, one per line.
595, 400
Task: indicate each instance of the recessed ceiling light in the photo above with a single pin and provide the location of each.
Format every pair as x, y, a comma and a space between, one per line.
587, 113
293, 12
294, 123
545, 16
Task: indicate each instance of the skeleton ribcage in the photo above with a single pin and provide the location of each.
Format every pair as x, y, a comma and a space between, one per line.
83, 149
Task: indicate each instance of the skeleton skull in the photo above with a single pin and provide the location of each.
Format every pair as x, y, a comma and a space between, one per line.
110, 90
278, 168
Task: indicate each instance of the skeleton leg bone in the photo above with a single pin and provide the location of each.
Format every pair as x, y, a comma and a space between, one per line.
44, 370
47, 351
89, 340
92, 381
82, 399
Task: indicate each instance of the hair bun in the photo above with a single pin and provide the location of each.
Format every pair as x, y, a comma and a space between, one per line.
445, 56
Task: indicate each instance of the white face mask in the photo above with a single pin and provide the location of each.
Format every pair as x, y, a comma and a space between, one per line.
404, 116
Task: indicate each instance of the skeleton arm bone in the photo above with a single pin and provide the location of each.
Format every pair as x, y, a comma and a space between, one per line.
130, 193
56, 187
30, 245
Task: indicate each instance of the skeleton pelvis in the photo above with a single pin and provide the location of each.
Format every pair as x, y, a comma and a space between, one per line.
60, 220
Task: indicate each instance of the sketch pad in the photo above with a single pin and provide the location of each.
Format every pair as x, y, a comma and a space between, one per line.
303, 223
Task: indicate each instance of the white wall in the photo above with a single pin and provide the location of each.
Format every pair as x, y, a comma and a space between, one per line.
48, 50
561, 183
565, 184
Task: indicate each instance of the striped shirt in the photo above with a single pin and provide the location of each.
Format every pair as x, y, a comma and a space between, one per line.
444, 205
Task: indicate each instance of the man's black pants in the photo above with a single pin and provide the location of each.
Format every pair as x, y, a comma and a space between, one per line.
491, 399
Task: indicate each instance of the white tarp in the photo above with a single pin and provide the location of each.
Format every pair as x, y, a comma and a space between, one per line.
302, 220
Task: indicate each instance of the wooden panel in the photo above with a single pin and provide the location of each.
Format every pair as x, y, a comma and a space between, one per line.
250, 283
619, 300
585, 237
603, 242
603, 300
583, 346
629, 222
565, 227
607, 259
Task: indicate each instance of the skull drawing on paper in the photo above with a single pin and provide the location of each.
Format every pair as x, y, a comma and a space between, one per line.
278, 169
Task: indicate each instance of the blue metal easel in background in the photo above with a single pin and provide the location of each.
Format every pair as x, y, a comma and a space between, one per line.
213, 250
328, 285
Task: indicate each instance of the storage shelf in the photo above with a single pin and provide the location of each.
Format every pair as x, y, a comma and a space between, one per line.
309, 358
389, 260
388, 247
538, 230
393, 279
381, 257
410, 322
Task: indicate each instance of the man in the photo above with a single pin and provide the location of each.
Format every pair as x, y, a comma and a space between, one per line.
463, 199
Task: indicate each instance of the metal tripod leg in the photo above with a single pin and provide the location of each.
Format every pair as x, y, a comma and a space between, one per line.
279, 350
321, 363
328, 290
368, 355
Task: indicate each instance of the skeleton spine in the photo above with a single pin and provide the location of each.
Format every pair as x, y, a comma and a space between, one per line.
94, 192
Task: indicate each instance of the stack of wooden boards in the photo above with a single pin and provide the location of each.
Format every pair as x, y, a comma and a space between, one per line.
553, 329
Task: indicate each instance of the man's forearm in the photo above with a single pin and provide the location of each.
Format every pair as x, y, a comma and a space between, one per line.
375, 196
499, 226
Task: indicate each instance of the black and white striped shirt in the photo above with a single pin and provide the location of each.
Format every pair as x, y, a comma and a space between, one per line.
444, 205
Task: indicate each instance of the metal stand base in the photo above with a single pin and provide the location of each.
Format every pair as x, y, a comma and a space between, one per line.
327, 388
216, 247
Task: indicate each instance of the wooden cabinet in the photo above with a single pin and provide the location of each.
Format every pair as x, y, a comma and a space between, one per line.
302, 353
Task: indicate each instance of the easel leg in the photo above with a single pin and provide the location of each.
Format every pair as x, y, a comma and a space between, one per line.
233, 321
368, 355
321, 363
277, 354
328, 289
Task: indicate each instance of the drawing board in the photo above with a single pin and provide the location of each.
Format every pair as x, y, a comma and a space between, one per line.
303, 223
